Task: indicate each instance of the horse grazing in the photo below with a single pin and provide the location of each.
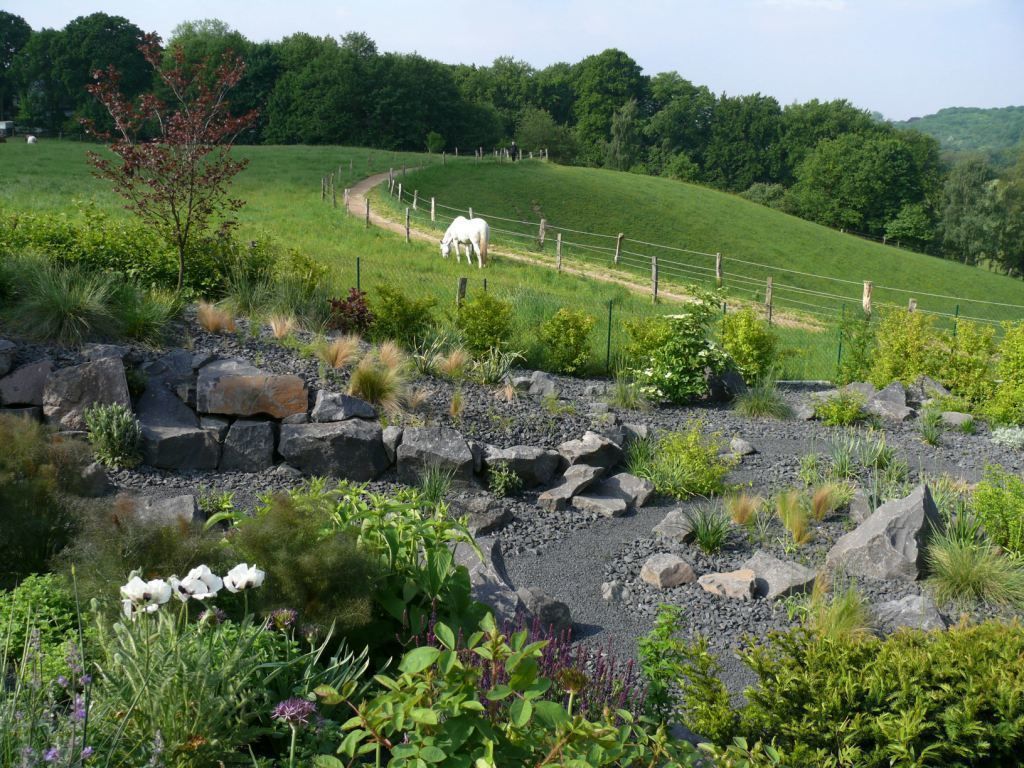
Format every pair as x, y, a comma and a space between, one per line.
473, 233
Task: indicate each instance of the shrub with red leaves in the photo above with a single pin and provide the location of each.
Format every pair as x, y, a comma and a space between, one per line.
351, 314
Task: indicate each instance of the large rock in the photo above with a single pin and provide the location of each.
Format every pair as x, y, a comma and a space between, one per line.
488, 580
172, 437
725, 386
25, 385
890, 403
676, 526
552, 615
735, 585
667, 570
535, 466
234, 388
353, 449
172, 510
891, 543
30, 412
914, 611
741, 447
860, 506
70, 392
392, 436
774, 578
576, 479
592, 449
249, 446
614, 592
635, 491
7, 350
217, 425
333, 406
442, 448
956, 419
542, 384
606, 506
483, 513
94, 352
926, 388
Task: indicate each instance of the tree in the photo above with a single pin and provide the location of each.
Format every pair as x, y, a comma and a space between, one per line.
604, 83
538, 130
624, 148
178, 181
744, 147
804, 125
913, 226
14, 34
967, 226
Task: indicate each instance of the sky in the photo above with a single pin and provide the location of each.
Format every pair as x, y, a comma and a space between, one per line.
903, 58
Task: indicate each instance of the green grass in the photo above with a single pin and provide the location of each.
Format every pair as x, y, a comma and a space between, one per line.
701, 219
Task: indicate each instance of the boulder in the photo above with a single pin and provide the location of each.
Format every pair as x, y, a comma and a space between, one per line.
218, 425
863, 388
30, 412
392, 437
542, 384
667, 570
442, 448
676, 526
636, 432
725, 386
69, 392
234, 388
592, 449
488, 581
891, 543
774, 578
860, 506
956, 419
333, 406
172, 437
25, 385
597, 409
167, 511
94, 352
93, 481
736, 585
535, 466
741, 447
613, 592
803, 412
478, 450
551, 614
296, 418
635, 491
249, 446
606, 506
484, 515
352, 450
926, 388
522, 383
7, 350
595, 390
914, 611
890, 403
576, 479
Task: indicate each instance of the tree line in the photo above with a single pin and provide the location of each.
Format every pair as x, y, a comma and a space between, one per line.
828, 162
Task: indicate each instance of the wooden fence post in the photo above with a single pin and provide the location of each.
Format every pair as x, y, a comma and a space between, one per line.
323, 188
367, 212
433, 216
444, 158
399, 191
718, 269
415, 199
912, 305
346, 201
558, 251
768, 298
471, 213
866, 298
391, 174
351, 168
618, 246
403, 170
654, 279
456, 151
334, 197
407, 224
542, 232
460, 293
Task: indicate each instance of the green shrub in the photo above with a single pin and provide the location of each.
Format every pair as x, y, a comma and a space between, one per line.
502, 480
914, 698
486, 323
964, 361
904, 349
646, 334
858, 337
1007, 405
750, 342
115, 435
966, 572
682, 464
841, 409
1011, 437
401, 318
998, 503
566, 338
38, 472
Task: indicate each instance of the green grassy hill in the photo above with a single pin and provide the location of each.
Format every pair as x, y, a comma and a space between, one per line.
971, 128
804, 259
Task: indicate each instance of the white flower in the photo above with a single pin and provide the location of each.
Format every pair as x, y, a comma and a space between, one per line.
144, 596
243, 576
200, 583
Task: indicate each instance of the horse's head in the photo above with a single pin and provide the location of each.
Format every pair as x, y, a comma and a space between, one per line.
446, 247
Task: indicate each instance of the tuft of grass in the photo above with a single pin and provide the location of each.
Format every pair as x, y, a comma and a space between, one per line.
742, 507
843, 455
455, 364
507, 392
435, 482
339, 353
710, 527
794, 516
873, 452
966, 572
830, 498
378, 383
282, 326
810, 469
417, 398
842, 615
214, 319
626, 394
391, 356
457, 404
67, 305
930, 426
762, 400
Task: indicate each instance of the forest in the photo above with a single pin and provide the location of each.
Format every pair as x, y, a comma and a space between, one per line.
828, 162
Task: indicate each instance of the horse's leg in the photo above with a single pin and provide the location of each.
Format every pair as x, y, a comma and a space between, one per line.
479, 254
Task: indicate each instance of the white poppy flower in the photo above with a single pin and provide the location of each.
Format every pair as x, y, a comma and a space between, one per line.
200, 583
148, 596
243, 576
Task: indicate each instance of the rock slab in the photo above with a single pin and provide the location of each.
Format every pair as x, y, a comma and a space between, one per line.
914, 611
70, 392
667, 570
576, 479
592, 449
25, 385
423, 448
535, 466
233, 388
550, 613
676, 526
353, 449
333, 406
774, 578
735, 585
635, 491
249, 446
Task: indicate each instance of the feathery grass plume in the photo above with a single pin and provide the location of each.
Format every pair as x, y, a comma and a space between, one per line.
282, 325
339, 353
391, 356
455, 364
793, 514
64, 304
829, 498
763, 399
966, 572
213, 319
507, 392
457, 404
741, 507
841, 615
378, 383
710, 527
417, 397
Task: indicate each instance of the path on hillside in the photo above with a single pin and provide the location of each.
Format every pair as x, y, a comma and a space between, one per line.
357, 196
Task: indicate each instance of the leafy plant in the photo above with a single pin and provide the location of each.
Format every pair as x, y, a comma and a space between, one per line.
682, 464
710, 527
841, 409
486, 324
858, 335
965, 572
502, 480
566, 339
1011, 437
646, 335
750, 343
115, 435
494, 366
1007, 405
351, 314
904, 350
401, 318
998, 503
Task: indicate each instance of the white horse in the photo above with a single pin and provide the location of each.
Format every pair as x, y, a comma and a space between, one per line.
473, 233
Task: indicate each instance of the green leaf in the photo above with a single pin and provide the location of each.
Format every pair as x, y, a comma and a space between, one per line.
551, 713
520, 712
327, 761
458, 730
328, 695
423, 716
499, 692
432, 754
419, 659
445, 636
350, 742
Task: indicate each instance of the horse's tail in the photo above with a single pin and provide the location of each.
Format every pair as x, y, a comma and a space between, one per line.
485, 235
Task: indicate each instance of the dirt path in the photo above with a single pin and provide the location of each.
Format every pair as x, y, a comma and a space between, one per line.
357, 196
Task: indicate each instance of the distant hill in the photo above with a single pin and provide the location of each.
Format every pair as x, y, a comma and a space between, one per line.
971, 128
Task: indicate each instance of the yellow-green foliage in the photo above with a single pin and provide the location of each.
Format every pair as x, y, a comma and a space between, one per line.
841, 410
903, 347
1007, 406
750, 342
646, 334
998, 503
566, 340
964, 361
683, 464
486, 323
